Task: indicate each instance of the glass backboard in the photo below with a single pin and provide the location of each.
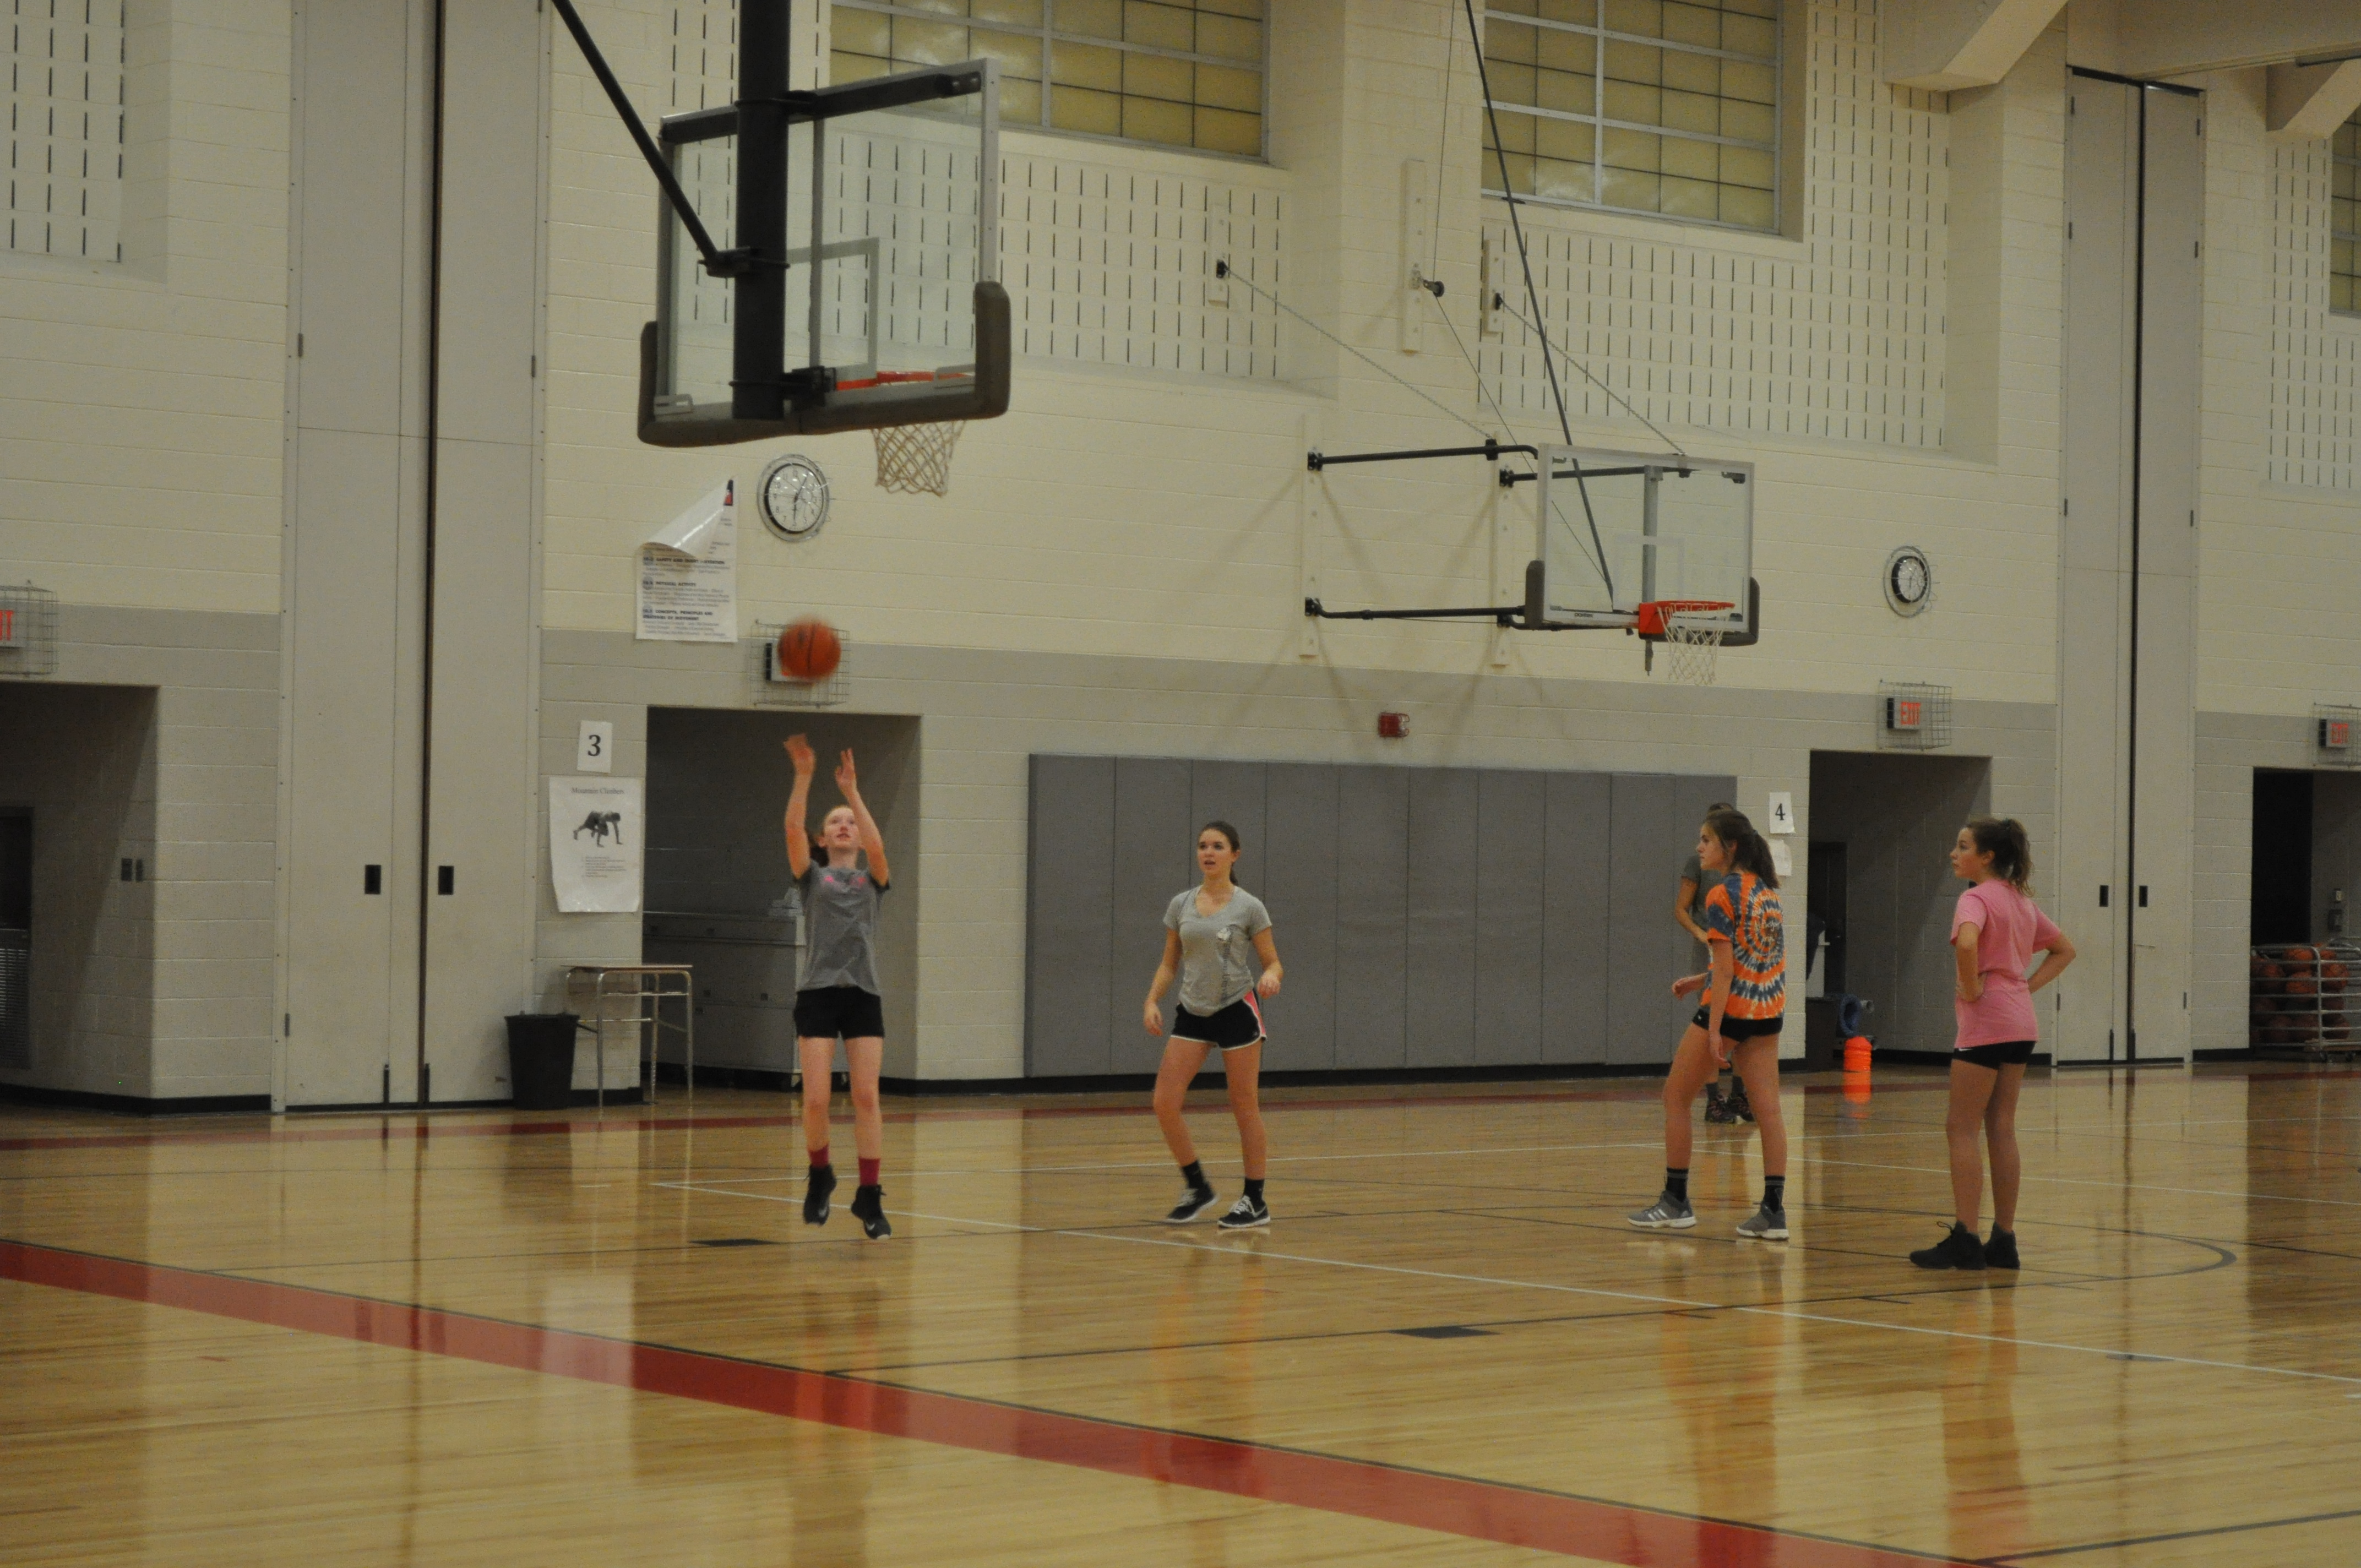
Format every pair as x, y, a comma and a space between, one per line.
1618, 528
890, 229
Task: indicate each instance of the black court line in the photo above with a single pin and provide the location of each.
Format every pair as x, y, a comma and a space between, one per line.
2172, 1535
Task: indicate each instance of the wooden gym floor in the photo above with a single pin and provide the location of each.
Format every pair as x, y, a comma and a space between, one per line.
495, 1338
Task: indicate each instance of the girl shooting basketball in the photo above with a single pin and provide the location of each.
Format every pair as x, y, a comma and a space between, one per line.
837, 994
1745, 1004
1216, 936
1995, 931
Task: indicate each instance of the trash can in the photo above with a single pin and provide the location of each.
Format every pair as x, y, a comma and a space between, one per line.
541, 1060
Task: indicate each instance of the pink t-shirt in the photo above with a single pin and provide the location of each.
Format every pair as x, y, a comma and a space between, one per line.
2010, 928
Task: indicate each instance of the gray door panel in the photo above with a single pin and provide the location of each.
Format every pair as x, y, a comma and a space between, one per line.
1372, 866
1576, 856
1152, 862
1299, 883
1440, 1007
1510, 929
1067, 917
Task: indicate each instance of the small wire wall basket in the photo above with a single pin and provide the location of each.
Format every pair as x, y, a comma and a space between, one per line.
771, 687
29, 632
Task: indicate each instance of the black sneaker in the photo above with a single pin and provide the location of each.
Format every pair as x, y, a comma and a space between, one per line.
869, 1208
1959, 1249
816, 1207
1247, 1214
1740, 1111
1717, 1109
2001, 1251
1197, 1200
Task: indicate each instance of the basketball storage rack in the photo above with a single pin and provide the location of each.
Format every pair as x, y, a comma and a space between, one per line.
2298, 1003
853, 284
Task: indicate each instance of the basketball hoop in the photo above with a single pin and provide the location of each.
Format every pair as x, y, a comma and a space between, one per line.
1691, 632
913, 459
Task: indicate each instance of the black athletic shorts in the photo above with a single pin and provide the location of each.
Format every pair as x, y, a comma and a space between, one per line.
839, 1010
1737, 1029
1236, 1025
1998, 1054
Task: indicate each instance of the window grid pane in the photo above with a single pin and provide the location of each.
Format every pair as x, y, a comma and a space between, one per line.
1185, 73
1661, 106
2345, 220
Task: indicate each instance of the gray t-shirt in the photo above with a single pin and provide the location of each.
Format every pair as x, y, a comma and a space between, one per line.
1218, 963
840, 928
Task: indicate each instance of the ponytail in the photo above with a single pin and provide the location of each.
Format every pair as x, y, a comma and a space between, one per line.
1749, 852
2004, 839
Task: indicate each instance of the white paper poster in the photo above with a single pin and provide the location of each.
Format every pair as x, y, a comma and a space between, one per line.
688, 573
1783, 812
595, 834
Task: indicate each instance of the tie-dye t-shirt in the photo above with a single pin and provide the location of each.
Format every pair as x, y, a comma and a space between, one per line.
1744, 912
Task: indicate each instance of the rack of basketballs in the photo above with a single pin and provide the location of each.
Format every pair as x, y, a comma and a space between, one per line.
2297, 996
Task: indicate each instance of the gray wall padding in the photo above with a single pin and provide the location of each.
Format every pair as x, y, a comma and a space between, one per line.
1428, 918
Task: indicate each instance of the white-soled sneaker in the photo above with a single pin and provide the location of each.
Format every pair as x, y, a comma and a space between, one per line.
1666, 1214
1197, 1200
1765, 1224
1247, 1214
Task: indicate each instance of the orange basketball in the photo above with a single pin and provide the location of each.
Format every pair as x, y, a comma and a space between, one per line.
2301, 985
809, 650
2299, 955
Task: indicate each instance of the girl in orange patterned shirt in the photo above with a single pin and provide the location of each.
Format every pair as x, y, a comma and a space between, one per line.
1744, 1005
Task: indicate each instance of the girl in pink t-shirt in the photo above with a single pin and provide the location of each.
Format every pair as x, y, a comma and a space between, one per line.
1995, 933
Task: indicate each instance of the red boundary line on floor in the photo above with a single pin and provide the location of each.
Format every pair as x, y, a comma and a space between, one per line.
1478, 1510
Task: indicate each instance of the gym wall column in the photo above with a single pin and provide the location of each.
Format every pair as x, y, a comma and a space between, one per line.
2164, 754
355, 553
483, 817
2095, 566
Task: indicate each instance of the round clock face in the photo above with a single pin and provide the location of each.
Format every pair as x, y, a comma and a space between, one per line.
1909, 580
794, 496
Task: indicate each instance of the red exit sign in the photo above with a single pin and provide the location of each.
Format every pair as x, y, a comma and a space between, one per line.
1904, 713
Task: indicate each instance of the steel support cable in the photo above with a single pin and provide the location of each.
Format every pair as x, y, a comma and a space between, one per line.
1602, 386
1226, 271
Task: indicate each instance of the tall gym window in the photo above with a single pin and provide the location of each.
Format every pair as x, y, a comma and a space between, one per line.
1171, 73
2344, 219
1663, 106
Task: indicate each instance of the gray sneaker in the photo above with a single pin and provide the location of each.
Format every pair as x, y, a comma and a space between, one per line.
1765, 1224
1667, 1213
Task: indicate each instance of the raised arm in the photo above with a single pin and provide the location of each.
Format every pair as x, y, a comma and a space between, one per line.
873, 842
1963, 951
799, 751
2053, 963
1153, 1013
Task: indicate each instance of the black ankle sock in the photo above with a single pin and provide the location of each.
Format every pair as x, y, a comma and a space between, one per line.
1774, 1192
1194, 1173
1254, 1187
1676, 1183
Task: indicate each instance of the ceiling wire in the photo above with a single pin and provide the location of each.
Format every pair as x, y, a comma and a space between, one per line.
1504, 305
1421, 392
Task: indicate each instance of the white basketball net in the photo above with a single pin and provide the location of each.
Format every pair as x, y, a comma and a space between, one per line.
915, 458
1691, 648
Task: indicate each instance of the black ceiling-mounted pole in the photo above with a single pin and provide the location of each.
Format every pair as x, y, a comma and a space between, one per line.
759, 293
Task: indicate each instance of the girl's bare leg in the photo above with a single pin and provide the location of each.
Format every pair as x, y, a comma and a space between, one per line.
1758, 1068
1243, 1066
866, 1057
1972, 1092
1182, 1060
1693, 1069
818, 1057
2000, 1138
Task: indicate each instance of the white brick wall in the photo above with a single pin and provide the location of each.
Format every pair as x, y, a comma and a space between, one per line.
143, 409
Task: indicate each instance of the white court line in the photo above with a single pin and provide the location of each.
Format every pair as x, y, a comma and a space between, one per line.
2092, 1182
1167, 1165
1584, 1290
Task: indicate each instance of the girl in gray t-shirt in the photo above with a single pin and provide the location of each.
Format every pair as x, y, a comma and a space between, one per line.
837, 996
1217, 941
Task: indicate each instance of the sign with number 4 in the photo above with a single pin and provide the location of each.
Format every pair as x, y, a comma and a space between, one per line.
1782, 816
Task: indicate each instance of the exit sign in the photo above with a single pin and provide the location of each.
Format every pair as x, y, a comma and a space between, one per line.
1905, 713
